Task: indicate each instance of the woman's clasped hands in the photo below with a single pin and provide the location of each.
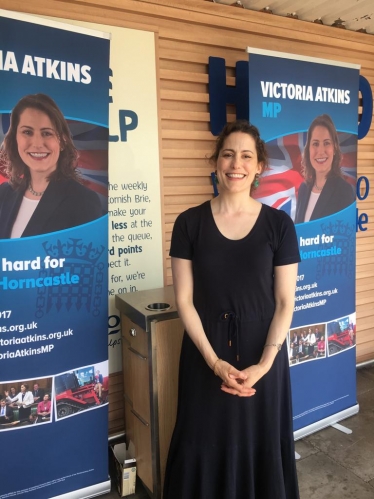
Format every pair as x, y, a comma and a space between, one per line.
238, 382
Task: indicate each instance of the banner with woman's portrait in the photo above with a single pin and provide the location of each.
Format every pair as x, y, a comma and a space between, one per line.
54, 103
307, 112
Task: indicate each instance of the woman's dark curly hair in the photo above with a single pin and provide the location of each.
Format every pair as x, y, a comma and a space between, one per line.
309, 173
242, 126
14, 168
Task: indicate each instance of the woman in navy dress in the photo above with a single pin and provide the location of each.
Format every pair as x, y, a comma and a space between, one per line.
234, 265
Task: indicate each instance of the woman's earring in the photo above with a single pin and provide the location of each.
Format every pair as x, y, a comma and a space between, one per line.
215, 177
256, 181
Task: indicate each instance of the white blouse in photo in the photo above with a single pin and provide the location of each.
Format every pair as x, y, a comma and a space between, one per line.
311, 205
25, 212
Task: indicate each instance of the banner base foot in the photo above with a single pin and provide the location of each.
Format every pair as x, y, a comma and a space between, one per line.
342, 428
93, 491
324, 423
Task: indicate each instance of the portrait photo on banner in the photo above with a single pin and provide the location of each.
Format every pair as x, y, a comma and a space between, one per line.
53, 171
311, 174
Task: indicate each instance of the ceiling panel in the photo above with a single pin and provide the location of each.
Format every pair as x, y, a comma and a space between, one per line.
355, 14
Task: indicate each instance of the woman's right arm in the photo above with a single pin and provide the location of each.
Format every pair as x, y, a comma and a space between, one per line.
183, 289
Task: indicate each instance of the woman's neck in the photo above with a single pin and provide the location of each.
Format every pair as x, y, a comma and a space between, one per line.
39, 182
234, 203
36, 187
320, 181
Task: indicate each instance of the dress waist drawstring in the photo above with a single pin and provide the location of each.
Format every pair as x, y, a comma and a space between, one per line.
233, 329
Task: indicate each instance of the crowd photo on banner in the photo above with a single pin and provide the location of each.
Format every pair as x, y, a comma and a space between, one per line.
25, 403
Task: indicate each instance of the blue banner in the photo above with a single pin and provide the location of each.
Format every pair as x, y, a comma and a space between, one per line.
54, 258
306, 111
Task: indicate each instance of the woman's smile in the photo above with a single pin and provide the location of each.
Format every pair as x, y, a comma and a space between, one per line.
235, 175
38, 155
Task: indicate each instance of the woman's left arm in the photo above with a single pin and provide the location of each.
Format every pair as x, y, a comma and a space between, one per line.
284, 294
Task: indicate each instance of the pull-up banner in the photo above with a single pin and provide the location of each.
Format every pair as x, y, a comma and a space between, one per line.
307, 113
53, 259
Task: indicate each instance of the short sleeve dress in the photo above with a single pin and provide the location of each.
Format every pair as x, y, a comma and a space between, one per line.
227, 447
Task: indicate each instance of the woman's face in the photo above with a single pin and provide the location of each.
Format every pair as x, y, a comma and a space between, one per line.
321, 150
237, 163
23, 388
37, 141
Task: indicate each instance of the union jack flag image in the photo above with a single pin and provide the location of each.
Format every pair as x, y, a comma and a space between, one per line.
91, 142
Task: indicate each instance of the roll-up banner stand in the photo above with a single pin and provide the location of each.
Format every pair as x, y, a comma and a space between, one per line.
307, 113
53, 271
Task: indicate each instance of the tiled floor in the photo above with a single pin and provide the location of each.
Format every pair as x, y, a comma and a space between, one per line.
333, 465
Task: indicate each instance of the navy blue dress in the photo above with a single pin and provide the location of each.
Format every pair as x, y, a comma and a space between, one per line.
223, 446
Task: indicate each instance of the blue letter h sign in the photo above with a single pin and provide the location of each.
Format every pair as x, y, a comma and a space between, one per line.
220, 94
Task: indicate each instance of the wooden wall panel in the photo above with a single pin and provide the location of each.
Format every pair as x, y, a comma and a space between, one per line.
188, 33
116, 403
